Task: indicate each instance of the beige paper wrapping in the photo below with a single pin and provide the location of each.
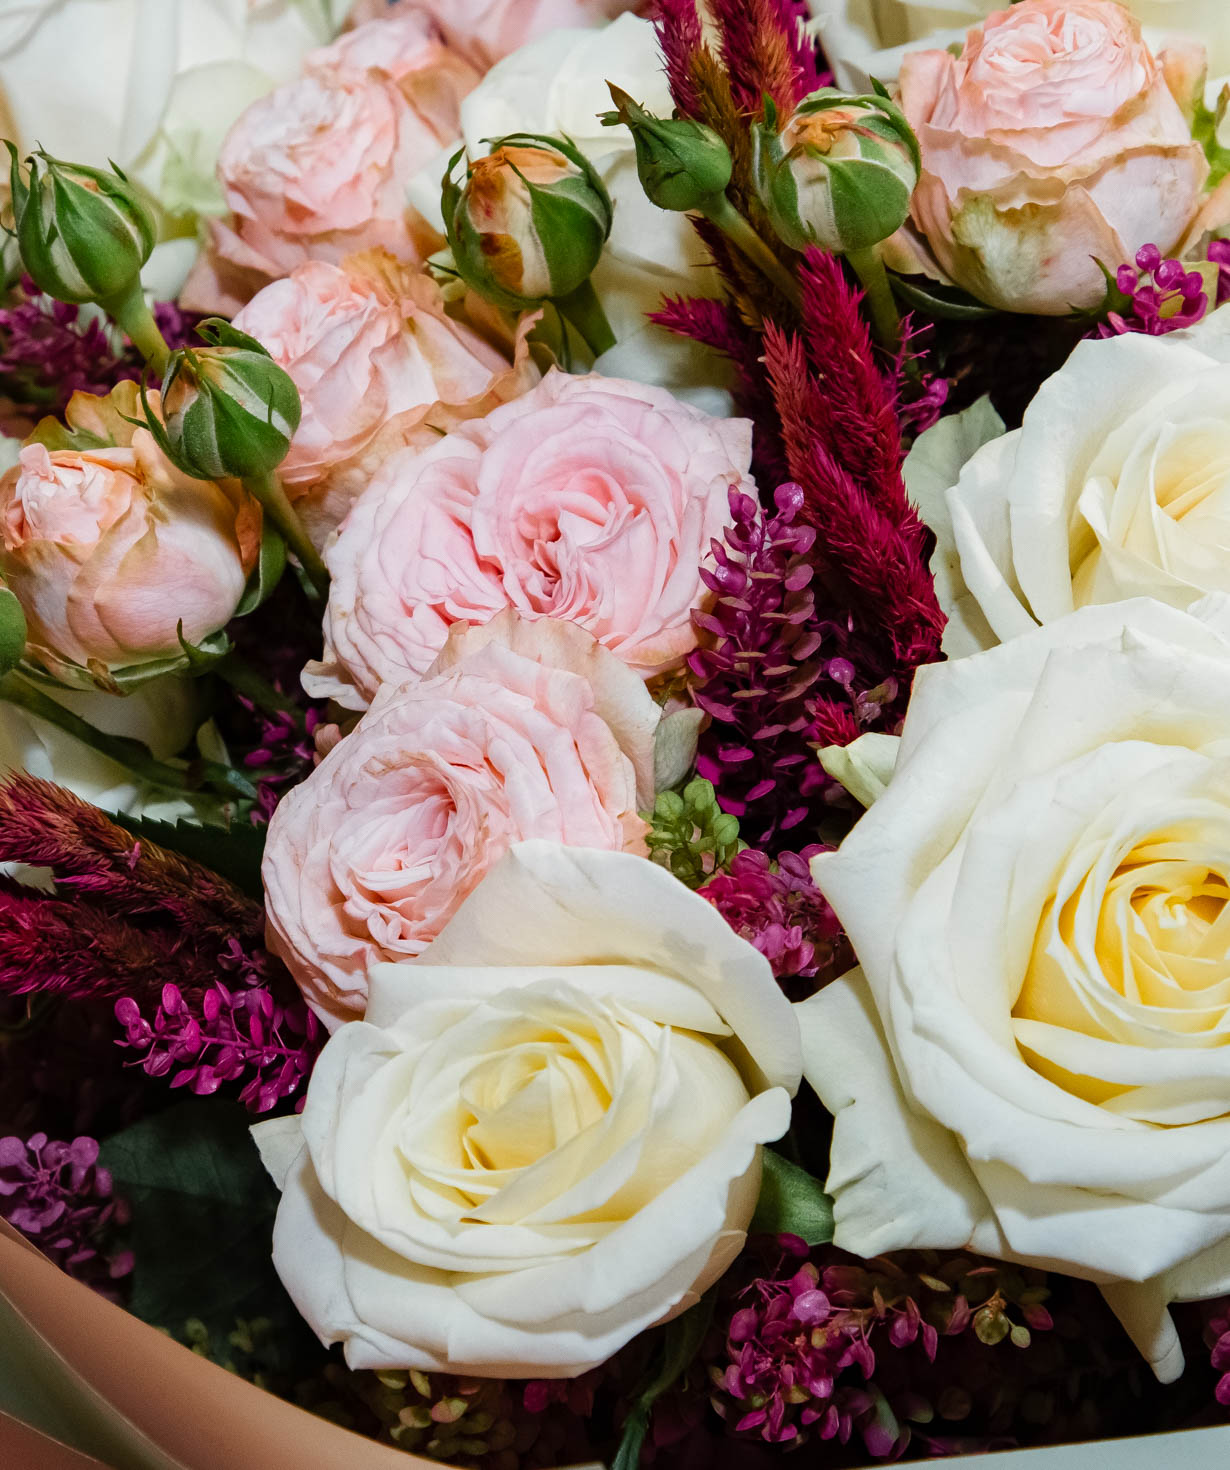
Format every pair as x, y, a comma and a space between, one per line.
136, 1400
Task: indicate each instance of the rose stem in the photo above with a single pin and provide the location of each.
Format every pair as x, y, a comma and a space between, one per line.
583, 309
131, 314
267, 491
885, 321
721, 212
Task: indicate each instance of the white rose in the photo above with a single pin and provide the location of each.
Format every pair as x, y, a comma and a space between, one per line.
557, 84
151, 84
1034, 1063
1117, 485
545, 1135
866, 38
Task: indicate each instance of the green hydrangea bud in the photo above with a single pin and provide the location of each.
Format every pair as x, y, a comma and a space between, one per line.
839, 173
681, 164
83, 233
229, 410
528, 222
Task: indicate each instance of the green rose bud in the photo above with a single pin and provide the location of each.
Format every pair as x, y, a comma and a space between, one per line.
681, 164
528, 222
83, 233
839, 174
229, 410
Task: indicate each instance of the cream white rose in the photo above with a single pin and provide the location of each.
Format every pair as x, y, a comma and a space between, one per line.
867, 38
557, 85
152, 84
1034, 1063
545, 1136
1117, 485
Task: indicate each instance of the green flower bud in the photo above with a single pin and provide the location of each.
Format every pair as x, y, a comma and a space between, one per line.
839, 174
528, 222
83, 233
681, 164
229, 410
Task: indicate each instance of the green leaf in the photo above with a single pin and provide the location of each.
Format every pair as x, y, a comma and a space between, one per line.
681, 1341
12, 631
791, 1202
202, 1221
233, 852
945, 303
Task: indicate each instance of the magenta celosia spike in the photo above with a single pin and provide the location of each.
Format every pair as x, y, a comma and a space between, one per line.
766, 52
680, 36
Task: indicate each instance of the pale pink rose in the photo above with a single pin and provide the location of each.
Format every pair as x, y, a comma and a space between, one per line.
589, 499
373, 355
519, 730
108, 550
317, 170
1052, 142
484, 31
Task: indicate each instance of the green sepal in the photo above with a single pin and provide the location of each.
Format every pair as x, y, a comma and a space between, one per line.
267, 573
216, 331
791, 1202
13, 631
944, 303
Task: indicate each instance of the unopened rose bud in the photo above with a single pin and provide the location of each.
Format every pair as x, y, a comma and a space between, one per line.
839, 173
83, 233
529, 221
682, 164
228, 409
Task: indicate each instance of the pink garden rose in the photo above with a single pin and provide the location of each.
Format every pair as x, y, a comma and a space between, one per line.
317, 169
589, 499
378, 365
483, 31
109, 549
519, 730
1052, 142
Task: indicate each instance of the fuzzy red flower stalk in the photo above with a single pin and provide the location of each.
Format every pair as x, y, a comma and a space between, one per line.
766, 52
44, 825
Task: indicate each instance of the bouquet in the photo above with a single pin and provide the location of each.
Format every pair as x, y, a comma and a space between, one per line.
615, 720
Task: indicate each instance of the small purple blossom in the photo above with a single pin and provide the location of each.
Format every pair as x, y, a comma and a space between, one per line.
230, 1033
284, 755
1219, 255
776, 906
1165, 296
59, 1197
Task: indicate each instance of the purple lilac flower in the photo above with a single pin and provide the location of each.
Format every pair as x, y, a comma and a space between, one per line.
58, 1197
50, 350
284, 755
1219, 254
827, 1346
1165, 296
776, 906
231, 1032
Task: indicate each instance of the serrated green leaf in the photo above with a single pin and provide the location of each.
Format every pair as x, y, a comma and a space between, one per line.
233, 852
12, 630
202, 1222
791, 1202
